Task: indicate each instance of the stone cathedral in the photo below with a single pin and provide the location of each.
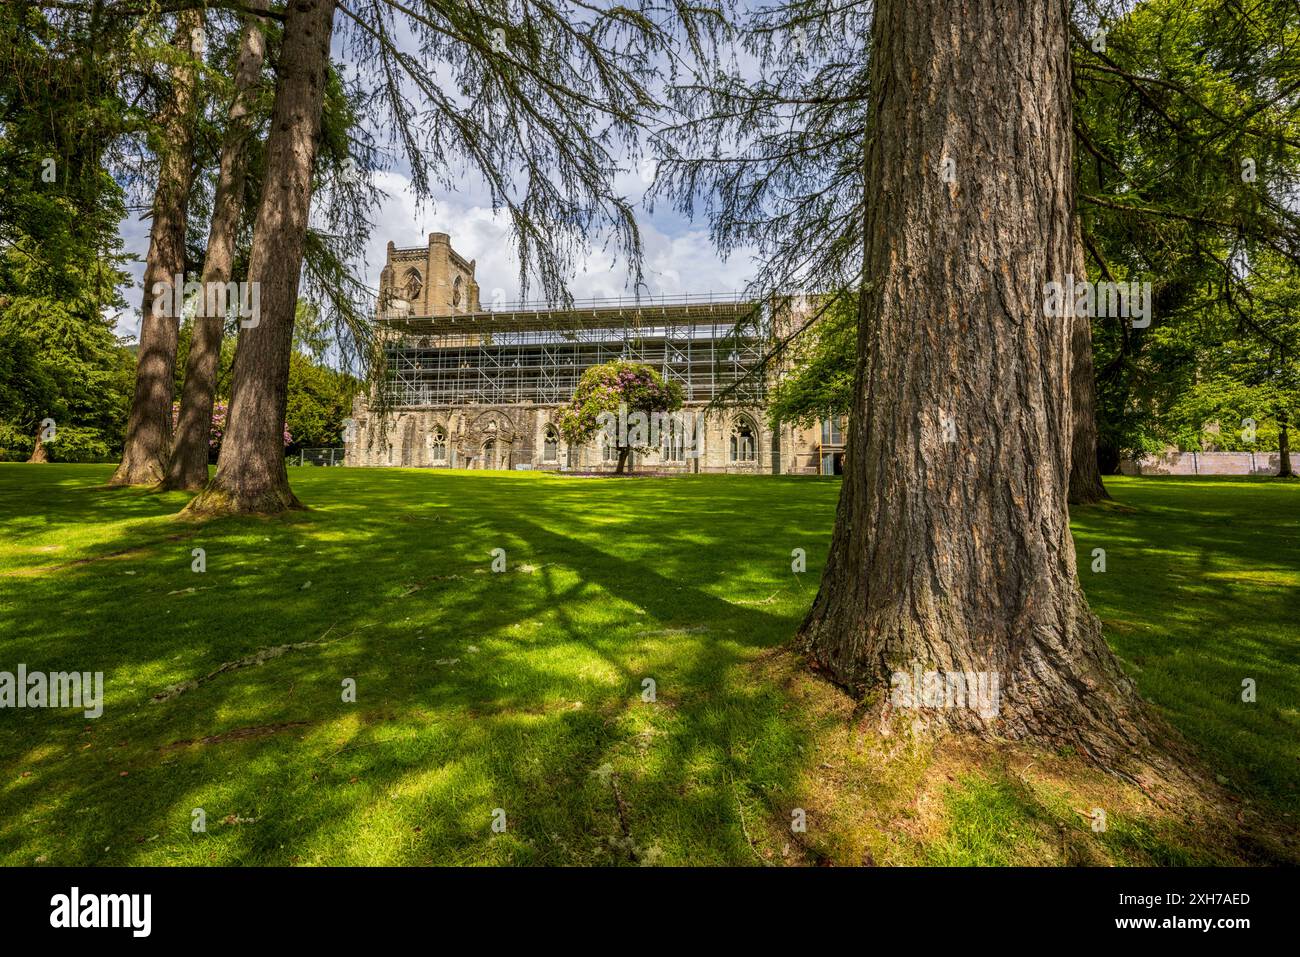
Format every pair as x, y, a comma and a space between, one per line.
479, 387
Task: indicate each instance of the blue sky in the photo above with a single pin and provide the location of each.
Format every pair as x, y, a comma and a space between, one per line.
678, 254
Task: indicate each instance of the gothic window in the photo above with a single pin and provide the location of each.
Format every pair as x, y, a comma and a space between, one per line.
438, 444
411, 288
673, 448
490, 454
743, 446
455, 292
551, 445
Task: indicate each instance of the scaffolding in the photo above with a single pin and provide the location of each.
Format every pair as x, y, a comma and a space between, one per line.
535, 353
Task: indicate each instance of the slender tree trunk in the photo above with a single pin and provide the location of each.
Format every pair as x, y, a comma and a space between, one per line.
251, 474
40, 453
623, 453
1284, 448
1086, 486
952, 550
188, 468
149, 425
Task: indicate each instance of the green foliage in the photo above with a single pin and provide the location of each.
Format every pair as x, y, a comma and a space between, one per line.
320, 398
1188, 170
67, 366
61, 262
823, 360
607, 389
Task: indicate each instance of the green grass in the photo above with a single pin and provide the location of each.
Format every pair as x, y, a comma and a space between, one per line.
1201, 592
522, 690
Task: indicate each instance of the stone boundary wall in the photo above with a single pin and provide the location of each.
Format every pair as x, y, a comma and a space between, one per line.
1205, 463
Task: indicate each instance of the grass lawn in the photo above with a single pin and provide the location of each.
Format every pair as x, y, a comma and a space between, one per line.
519, 695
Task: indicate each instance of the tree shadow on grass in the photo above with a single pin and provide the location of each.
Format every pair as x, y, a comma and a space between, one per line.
440, 735
476, 691
1200, 593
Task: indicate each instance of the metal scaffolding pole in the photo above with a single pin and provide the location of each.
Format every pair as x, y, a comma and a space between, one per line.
537, 355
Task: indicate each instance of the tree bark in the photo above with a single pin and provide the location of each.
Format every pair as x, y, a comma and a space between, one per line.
623, 453
1284, 448
40, 453
188, 468
1086, 487
149, 424
952, 550
251, 475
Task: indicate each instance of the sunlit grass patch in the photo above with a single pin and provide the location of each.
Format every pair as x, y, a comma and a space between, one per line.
525, 691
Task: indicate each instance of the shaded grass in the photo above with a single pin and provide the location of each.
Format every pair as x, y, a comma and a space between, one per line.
521, 693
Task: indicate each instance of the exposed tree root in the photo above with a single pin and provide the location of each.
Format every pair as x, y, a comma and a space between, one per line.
215, 502
257, 658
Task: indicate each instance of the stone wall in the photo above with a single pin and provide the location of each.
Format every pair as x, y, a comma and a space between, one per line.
1204, 463
514, 436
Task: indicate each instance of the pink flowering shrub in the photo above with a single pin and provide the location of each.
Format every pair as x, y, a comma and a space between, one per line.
218, 427
606, 387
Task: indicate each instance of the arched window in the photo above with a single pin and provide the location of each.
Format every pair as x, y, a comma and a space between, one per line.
673, 440
743, 446
455, 292
551, 445
412, 285
490, 454
438, 444
608, 451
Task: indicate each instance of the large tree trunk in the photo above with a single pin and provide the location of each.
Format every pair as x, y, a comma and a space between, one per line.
1085, 475
188, 468
149, 425
952, 550
1284, 448
251, 474
623, 454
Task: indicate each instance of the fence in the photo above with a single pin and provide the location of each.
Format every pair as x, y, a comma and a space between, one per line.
1204, 463
319, 456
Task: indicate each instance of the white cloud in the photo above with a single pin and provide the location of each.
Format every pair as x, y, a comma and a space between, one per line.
135, 238
678, 255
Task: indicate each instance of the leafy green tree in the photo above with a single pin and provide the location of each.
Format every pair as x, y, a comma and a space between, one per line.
320, 398
1187, 168
60, 362
1245, 352
818, 378
619, 399
60, 255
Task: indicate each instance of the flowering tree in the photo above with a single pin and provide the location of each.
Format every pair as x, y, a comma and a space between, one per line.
613, 390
